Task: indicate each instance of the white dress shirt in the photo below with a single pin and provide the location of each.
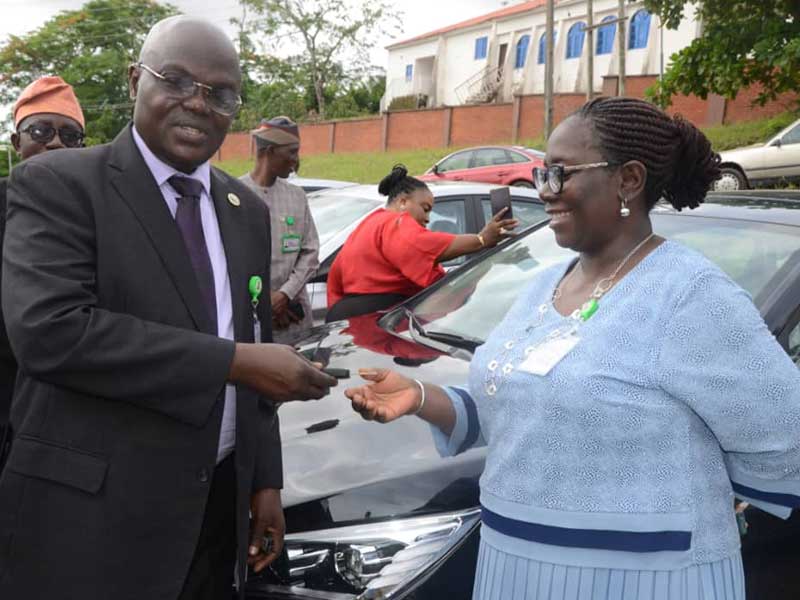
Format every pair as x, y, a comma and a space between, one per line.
219, 265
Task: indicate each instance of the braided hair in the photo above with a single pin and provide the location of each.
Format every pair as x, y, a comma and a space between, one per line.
398, 182
681, 166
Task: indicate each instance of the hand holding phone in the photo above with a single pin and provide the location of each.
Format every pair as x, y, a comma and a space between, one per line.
500, 198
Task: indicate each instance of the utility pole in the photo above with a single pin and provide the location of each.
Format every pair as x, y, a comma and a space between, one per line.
548, 70
622, 44
590, 55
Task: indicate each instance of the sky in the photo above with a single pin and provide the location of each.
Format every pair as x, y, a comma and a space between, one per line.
419, 16
18, 17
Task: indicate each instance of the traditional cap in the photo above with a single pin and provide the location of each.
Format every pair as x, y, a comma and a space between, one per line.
278, 131
48, 95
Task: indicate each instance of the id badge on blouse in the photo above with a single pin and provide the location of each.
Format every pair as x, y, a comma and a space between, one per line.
290, 243
543, 358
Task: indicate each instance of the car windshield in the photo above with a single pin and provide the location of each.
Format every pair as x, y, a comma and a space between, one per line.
334, 212
470, 304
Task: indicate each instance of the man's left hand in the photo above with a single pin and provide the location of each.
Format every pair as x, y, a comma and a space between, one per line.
267, 521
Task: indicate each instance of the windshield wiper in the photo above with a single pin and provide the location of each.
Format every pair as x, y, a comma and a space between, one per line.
438, 341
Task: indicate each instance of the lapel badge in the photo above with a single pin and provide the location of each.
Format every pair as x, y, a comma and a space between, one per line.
234, 199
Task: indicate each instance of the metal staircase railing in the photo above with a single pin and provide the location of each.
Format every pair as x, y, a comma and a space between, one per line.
482, 87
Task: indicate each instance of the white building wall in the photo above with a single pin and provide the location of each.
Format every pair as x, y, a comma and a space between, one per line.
461, 62
456, 63
396, 84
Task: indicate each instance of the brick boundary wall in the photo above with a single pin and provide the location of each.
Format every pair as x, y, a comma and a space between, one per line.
493, 123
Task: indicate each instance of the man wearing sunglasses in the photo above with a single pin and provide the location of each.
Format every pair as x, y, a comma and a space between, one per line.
47, 116
146, 457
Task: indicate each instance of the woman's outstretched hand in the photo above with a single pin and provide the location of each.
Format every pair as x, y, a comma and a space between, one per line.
387, 397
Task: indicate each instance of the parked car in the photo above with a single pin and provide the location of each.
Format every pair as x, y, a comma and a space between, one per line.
459, 208
776, 162
373, 511
537, 153
314, 185
502, 165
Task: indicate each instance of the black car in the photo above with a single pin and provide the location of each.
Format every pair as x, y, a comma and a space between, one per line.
373, 511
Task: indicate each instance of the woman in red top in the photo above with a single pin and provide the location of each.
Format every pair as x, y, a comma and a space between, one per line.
392, 256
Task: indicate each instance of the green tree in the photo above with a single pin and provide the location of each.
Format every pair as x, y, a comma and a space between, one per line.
330, 32
743, 42
275, 86
90, 48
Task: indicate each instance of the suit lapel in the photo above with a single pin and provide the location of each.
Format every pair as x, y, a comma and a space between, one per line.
233, 230
133, 181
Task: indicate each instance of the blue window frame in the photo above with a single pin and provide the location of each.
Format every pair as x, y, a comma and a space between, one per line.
542, 50
481, 47
409, 72
575, 38
640, 30
522, 51
605, 37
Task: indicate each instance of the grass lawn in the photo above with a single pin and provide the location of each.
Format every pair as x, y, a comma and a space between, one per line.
370, 167
725, 137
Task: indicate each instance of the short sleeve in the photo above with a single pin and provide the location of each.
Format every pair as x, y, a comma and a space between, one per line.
466, 432
719, 357
413, 249
334, 283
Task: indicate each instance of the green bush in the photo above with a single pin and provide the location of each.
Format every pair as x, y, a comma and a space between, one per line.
725, 137
4, 158
410, 102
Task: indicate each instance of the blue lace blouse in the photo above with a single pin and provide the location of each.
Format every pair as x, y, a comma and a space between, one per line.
628, 453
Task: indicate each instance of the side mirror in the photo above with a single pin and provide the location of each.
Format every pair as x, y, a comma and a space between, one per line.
778, 143
435, 169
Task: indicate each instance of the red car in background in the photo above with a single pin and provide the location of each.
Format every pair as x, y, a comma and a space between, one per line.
501, 165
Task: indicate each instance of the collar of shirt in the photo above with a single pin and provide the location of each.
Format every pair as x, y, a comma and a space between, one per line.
162, 171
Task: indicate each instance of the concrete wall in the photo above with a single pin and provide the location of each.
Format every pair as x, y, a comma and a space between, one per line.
493, 123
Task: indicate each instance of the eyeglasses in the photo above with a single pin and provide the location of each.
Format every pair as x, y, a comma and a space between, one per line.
553, 176
222, 100
44, 133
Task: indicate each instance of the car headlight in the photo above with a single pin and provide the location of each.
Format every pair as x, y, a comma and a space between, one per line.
374, 560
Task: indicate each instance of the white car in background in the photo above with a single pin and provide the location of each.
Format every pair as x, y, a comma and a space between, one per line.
458, 208
777, 161
313, 185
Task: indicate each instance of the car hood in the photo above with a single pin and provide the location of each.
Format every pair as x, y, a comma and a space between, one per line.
738, 154
359, 469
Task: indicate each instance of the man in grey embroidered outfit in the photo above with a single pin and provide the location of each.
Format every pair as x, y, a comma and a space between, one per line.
295, 244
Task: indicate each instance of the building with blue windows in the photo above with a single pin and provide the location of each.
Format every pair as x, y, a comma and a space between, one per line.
493, 57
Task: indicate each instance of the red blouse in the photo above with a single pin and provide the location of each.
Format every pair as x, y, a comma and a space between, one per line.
388, 253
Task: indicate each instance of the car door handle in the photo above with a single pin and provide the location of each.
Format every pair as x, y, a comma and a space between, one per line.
502, 173
457, 178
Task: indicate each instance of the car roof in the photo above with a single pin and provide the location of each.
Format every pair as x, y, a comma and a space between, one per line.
521, 149
439, 190
320, 183
766, 206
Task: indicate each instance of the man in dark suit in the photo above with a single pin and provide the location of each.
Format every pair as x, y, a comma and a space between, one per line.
144, 426
47, 116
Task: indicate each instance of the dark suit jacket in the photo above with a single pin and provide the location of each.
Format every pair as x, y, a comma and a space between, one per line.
119, 402
8, 364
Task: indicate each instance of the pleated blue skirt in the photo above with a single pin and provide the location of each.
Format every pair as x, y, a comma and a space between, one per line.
504, 576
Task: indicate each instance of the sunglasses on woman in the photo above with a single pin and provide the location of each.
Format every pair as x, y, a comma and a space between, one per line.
44, 133
553, 176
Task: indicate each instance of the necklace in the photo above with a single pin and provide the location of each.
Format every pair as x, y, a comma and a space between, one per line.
501, 366
601, 287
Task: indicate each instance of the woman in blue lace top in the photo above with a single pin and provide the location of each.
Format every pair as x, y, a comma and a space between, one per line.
626, 396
